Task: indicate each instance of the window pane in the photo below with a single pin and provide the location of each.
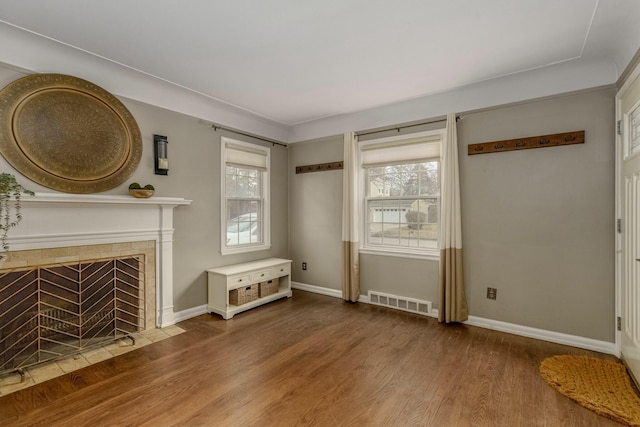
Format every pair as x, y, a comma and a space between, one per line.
429, 179
255, 184
244, 221
393, 181
404, 180
392, 220
242, 182
376, 186
411, 223
256, 235
230, 181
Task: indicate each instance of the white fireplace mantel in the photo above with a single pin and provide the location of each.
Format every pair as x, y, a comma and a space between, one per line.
52, 220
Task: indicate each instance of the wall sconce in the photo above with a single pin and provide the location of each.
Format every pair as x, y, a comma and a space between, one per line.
160, 144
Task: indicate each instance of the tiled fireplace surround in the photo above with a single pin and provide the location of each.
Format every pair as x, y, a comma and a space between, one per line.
62, 228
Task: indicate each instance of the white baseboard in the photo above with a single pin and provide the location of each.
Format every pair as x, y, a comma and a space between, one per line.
317, 289
324, 291
544, 335
496, 325
189, 313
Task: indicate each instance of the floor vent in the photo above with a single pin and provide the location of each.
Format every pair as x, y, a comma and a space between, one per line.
400, 303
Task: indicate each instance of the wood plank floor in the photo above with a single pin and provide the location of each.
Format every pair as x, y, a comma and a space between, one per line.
311, 360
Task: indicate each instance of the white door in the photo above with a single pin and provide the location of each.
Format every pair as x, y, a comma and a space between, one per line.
629, 113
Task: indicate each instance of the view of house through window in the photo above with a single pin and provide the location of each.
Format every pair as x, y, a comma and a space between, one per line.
401, 178
402, 205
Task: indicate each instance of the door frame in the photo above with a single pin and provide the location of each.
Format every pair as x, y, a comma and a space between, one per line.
618, 188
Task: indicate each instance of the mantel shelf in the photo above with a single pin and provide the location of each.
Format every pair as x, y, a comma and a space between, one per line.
101, 199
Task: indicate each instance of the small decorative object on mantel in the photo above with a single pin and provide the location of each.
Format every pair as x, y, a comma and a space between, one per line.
10, 192
320, 167
136, 190
555, 140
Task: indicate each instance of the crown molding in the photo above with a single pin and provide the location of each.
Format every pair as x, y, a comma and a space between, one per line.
29, 52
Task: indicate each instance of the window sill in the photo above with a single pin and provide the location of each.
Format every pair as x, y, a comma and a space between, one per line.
244, 249
431, 255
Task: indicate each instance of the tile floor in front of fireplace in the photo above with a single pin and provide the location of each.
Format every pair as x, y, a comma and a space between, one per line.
40, 373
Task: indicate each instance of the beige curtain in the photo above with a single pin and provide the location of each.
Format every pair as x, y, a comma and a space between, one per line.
453, 302
350, 220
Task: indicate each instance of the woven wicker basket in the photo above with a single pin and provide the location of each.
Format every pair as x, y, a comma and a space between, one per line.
243, 295
269, 288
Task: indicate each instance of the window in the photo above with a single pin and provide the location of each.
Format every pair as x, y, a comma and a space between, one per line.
245, 197
401, 187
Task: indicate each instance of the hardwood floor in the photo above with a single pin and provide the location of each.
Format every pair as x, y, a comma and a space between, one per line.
311, 360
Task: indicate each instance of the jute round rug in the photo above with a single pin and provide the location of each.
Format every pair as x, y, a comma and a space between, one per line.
600, 385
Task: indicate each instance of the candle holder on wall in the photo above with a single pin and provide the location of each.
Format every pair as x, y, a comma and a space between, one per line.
160, 150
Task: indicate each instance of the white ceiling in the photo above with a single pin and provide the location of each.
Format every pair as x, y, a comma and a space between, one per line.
296, 62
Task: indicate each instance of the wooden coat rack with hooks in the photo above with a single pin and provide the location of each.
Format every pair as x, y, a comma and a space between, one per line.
555, 140
320, 167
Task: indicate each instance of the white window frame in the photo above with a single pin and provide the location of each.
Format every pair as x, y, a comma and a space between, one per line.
266, 199
404, 252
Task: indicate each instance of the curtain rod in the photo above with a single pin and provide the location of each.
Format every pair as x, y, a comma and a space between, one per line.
216, 127
397, 128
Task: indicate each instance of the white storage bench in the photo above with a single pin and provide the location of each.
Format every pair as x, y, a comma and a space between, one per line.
241, 277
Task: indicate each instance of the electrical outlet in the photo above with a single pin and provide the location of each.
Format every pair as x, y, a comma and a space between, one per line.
304, 265
492, 293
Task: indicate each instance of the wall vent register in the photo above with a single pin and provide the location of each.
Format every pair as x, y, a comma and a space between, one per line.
401, 303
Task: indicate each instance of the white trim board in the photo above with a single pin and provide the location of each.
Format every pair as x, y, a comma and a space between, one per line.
544, 335
496, 325
324, 291
189, 313
317, 289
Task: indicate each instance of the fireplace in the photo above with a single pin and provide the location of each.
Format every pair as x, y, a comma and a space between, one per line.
50, 311
84, 269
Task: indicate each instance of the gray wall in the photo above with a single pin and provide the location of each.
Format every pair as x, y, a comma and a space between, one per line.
316, 214
537, 224
194, 173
